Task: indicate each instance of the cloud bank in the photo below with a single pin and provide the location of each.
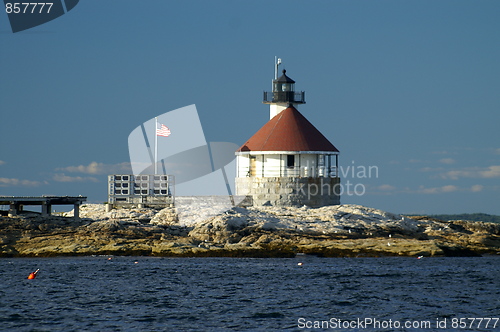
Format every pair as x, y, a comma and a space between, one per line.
96, 168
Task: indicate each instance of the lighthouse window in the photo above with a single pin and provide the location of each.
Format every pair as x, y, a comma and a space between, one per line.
290, 160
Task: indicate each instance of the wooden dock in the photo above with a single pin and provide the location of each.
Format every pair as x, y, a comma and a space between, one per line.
17, 203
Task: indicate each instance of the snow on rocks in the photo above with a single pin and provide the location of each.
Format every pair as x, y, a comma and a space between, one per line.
335, 219
222, 227
193, 210
165, 217
339, 219
97, 212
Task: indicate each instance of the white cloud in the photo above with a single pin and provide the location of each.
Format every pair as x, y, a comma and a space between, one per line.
473, 172
449, 188
497, 151
386, 187
491, 172
447, 161
99, 168
445, 152
437, 190
476, 188
2, 162
61, 177
6, 182
431, 169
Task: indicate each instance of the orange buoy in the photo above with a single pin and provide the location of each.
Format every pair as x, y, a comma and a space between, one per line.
32, 275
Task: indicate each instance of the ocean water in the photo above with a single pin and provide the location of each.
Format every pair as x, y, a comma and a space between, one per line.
248, 294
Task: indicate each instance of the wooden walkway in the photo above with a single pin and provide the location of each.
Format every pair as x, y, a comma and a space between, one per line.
17, 203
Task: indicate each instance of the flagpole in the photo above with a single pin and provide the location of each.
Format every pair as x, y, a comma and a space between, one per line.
156, 146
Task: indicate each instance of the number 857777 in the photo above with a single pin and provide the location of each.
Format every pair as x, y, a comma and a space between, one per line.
28, 7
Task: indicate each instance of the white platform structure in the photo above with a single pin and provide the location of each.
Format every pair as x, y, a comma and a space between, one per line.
140, 190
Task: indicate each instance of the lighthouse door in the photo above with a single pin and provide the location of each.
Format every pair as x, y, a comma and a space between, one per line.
253, 166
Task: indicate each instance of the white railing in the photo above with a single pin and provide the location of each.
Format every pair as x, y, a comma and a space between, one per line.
297, 97
277, 171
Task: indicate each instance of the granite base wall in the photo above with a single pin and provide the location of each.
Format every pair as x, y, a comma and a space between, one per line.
289, 191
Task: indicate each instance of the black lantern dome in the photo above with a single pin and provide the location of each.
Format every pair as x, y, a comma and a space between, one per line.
283, 83
284, 92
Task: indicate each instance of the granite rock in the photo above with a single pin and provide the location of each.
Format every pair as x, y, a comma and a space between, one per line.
266, 231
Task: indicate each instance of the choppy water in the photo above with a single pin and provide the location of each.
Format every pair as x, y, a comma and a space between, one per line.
223, 294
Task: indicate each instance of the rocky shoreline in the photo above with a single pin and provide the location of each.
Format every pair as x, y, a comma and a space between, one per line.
332, 231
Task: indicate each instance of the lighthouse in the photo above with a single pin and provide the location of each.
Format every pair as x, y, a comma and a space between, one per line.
283, 94
287, 162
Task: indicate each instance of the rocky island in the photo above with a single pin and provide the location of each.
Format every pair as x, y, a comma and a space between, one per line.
267, 231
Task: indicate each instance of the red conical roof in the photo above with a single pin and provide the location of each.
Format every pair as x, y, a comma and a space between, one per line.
288, 131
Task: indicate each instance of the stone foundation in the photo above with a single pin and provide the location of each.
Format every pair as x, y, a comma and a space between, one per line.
290, 191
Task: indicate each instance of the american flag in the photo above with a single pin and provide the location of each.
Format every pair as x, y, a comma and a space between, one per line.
162, 130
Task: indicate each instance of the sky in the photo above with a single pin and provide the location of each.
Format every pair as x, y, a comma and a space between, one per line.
408, 88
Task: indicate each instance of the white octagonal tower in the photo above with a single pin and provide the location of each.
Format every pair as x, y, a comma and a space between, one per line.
288, 162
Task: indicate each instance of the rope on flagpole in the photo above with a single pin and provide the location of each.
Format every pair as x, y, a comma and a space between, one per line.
156, 145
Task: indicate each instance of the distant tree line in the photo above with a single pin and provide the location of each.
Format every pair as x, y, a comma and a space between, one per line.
468, 216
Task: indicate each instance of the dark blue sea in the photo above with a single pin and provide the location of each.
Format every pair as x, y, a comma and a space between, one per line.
248, 294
